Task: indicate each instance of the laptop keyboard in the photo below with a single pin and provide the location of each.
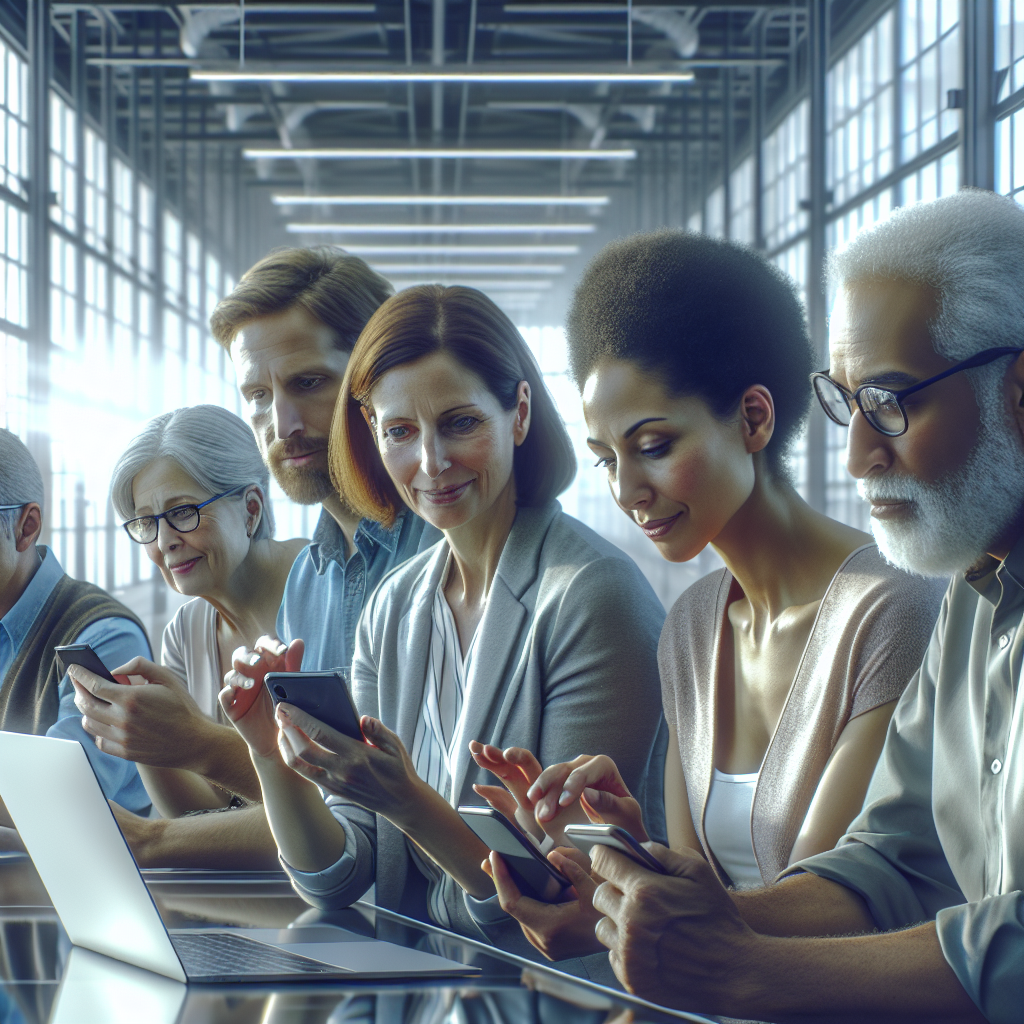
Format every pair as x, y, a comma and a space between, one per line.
224, 955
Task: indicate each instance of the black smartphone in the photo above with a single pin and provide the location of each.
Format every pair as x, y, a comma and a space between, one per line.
84, 655
586, 837
535, 875
323, 695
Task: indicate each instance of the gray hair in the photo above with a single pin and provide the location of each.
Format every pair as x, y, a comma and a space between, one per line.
969, 247
20, 479
211, 444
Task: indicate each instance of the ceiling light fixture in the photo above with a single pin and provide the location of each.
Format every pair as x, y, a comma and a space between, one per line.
653, 75
504, 285
459, 251
285, 200
440, 229
451, 269
438, 154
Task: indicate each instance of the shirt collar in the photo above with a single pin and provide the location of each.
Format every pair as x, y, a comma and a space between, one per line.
994, 580
328, 543
18, 621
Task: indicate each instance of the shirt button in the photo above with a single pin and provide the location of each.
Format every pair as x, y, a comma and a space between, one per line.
1004, 639
996, 766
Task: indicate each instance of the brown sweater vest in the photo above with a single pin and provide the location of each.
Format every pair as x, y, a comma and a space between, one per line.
28, 695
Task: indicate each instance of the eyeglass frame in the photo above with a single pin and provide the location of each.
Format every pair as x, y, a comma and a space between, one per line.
989, 355
10, 508
163, 515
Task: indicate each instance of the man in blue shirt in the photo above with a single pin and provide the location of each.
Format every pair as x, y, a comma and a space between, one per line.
40, 608
289, 326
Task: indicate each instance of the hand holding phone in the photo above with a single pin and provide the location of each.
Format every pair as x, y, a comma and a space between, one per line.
586, 837
85, 656
323, 695
532, 872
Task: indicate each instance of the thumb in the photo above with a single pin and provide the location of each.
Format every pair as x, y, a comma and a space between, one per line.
378, 734
584, 885
293, 656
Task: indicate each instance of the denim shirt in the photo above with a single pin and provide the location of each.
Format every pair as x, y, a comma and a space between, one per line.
324, 595
115, 641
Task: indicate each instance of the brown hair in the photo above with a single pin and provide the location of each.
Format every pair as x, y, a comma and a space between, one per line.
337, 289
465, 323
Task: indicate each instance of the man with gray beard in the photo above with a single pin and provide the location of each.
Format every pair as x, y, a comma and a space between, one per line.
918, 913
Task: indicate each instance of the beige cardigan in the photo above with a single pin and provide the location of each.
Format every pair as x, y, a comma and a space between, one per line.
867, 641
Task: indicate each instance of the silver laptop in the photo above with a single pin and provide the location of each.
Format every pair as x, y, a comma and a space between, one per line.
95, 886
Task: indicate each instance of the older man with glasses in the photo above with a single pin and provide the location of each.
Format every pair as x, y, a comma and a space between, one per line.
918, 913
41, 608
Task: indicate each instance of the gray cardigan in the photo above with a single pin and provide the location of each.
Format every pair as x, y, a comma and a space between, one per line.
568, 643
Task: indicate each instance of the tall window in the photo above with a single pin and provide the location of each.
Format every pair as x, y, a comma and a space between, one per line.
124, 216
63, 162
785, 177
929, 67
94, 172
714, 213
741, 203
860, 110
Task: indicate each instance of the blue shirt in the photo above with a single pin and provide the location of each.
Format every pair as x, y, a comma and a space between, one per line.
324, 595
115, 641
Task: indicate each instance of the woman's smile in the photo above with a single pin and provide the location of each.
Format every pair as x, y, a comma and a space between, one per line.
658, 528
445, 495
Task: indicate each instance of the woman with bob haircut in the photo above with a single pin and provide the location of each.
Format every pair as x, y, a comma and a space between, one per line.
520, 628
193, 491
779, 672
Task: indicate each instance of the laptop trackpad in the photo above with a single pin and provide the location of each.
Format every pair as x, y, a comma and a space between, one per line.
374, 957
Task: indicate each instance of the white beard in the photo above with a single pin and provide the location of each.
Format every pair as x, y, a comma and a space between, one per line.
955, 519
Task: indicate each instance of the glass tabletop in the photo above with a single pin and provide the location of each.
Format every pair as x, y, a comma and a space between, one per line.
44, 980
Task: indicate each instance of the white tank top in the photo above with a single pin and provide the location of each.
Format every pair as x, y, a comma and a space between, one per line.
727, 827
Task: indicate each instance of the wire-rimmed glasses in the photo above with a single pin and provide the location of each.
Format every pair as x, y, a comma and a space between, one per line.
11, 508
182, 518
883, 407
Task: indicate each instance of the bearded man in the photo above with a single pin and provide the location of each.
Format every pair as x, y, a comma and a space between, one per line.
921, 903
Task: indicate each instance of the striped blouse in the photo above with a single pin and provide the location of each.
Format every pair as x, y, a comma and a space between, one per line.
439, 729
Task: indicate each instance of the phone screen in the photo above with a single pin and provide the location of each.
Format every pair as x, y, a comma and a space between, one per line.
85, 656
586, 837
532, 872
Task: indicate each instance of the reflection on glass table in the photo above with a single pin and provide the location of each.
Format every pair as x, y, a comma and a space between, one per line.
44, 980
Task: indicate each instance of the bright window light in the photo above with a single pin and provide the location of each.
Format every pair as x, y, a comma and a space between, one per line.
283, 200
458, 251
392, 153
440, 229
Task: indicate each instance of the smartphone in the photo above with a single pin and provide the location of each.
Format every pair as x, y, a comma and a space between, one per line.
586, 837
84, 655
323, 695
535, 875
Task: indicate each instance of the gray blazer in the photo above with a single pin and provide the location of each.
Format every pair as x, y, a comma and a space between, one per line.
567, 649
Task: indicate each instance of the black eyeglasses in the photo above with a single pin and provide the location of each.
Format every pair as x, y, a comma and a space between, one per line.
183, 518
883, 407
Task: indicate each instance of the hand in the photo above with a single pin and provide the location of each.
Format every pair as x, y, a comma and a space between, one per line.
676, 939
596, 783
245, 699
519, 769
377, 774
157, 724
558, 930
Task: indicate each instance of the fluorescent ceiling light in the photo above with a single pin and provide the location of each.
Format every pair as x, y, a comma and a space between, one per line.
403, 75
469, 268
458, 251
283, 200
440, 229
504, 285
391, 153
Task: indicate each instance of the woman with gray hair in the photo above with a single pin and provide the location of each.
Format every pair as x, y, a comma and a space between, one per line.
193, 489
